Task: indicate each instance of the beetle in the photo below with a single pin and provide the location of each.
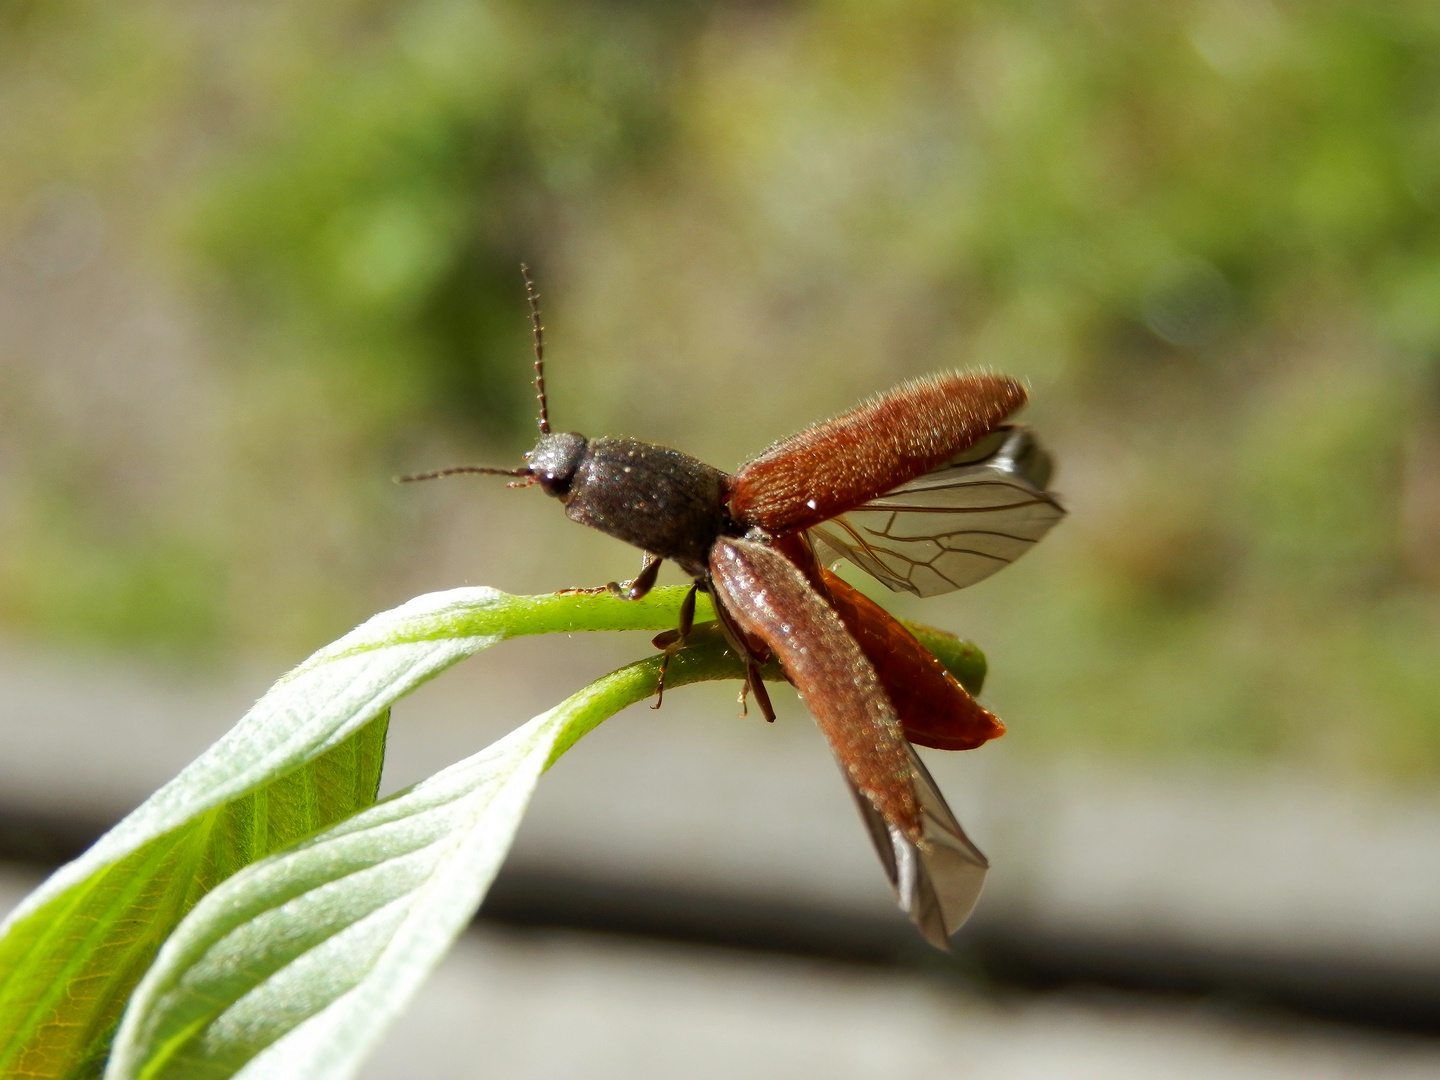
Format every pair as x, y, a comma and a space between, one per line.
926, 487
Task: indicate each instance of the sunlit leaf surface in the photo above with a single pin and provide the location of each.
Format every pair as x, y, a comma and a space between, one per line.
301, 959
307, 755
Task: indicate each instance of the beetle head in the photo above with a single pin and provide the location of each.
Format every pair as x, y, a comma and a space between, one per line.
554, 460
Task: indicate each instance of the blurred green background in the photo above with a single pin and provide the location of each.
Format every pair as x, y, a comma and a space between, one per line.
257, 259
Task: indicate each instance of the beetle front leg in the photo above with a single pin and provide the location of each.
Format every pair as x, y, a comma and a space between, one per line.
634, 589
642, 583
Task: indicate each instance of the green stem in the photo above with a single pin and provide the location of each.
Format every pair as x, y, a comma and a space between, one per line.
706, 658
506, 616
569, 613
490, 614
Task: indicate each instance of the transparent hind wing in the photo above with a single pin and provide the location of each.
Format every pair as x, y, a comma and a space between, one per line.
954, 526
937, 883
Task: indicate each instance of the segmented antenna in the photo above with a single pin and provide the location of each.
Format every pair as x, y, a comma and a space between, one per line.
534, 298
455, 470
522, 474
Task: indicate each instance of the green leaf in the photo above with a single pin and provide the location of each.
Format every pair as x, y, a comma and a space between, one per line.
306, 952
71, 963
308, 754
315, 975
961, 658
295, 966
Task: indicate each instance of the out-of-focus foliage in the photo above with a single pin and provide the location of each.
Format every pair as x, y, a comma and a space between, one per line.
1207, 231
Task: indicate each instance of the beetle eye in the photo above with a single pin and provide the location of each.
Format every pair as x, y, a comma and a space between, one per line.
555, 485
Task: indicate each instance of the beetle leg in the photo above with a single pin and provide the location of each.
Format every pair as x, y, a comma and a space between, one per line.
645, 581
633, 589
642, 582
753, 682
687, 613
674, 640
762, 696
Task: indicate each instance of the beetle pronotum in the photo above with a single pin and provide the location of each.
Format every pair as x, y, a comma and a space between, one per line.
926, 488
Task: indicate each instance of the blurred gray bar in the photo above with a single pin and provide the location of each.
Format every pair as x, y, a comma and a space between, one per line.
692, 810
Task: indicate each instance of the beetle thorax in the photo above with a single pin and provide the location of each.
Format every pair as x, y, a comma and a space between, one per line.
658, 499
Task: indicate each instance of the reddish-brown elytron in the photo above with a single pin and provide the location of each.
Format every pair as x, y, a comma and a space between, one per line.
831, 468
926, 488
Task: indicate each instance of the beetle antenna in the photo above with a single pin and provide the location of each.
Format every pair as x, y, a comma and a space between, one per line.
539, 331
456, 470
